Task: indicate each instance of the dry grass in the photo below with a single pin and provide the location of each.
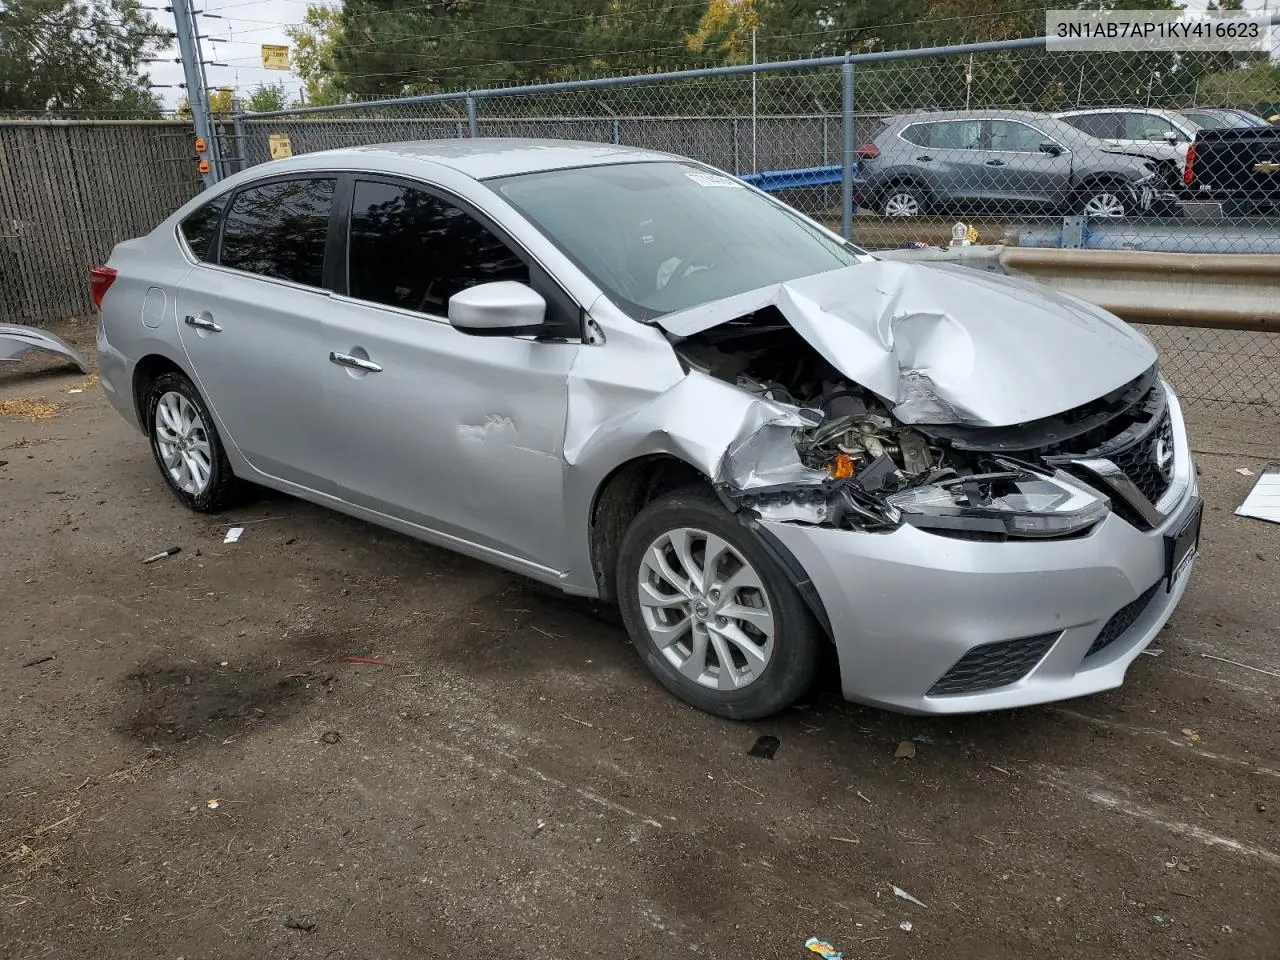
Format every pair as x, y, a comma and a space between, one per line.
28, 408
88, 383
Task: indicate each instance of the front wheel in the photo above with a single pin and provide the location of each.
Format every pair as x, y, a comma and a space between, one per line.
714, 617
1105, 202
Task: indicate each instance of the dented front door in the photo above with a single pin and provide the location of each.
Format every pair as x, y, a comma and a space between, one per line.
462, 435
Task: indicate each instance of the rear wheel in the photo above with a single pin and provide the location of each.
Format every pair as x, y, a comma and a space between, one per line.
903, 200
186, 445
712, 615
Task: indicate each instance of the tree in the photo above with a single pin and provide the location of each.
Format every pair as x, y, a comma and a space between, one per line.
266, 97
314, 42
83, 55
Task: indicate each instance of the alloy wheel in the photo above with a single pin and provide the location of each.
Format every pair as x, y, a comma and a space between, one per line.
706, 609
901, 204
1107, 206
183, 443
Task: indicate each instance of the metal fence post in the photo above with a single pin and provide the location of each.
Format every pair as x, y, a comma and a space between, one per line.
473, 125
238, 134
617, 131
846, 157
196, 94
737, 165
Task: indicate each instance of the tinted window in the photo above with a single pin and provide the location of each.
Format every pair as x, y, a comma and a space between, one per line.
917, 133
200, 225
1011, 135
1145, 126
278, 230
1100, 125
412, 250
956, 135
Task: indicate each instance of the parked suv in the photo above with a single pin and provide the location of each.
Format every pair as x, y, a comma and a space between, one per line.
992, 161
1160, 136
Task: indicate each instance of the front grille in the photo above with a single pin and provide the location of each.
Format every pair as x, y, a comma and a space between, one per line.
1139, 460
993, 665
1125, 617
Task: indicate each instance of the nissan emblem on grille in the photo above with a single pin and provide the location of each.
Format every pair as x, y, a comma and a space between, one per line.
1162, 453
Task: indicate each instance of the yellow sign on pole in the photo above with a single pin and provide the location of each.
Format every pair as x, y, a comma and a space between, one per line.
279, 146
275, 56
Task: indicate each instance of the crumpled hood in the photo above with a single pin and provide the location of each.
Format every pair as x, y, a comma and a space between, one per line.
945, 343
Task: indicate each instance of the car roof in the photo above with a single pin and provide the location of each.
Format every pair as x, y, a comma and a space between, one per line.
928, 115
1090, 110
481, 158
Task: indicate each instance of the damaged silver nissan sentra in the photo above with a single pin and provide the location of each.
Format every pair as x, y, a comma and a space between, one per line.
634, 377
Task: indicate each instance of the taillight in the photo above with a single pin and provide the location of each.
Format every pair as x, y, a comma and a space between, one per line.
868, 151
100, 280
1189, 171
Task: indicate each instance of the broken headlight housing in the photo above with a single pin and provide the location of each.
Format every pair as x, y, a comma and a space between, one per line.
1010, 503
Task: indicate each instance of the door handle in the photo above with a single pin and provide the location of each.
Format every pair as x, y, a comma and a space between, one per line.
995, 163
925, 157
201, 323
347, 360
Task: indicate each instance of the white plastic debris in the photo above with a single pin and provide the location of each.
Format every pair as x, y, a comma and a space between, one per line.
1244, 471
905, 925
233, 535
1263, 501
899, 892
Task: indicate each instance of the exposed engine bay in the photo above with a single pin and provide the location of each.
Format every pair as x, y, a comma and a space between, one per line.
853, 464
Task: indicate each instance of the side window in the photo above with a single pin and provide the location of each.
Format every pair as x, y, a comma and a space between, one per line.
917, 133
279, 230
1145, 126
1015, 136
200, 225
1100, 125
409, 249
956, 135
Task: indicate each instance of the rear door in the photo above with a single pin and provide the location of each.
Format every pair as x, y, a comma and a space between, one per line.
948, 155
1020, 171
460, 434
249, 322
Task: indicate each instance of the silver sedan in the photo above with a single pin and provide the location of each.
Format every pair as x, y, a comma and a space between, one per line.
631, 375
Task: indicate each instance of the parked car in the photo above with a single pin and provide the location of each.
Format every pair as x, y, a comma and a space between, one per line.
634, 377
1160, 136
1239, 169
988, 162
1218, 118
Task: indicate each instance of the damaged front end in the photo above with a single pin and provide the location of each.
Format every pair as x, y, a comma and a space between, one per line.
838, 456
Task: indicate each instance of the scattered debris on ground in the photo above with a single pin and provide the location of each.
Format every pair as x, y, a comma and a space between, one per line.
28, 408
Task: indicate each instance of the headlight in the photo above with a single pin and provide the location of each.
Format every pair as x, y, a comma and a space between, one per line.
1015, 504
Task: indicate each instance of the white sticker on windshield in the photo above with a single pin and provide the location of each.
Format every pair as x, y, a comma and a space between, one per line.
712, 180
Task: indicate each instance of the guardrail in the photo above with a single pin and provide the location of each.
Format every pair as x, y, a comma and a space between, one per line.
1221, 291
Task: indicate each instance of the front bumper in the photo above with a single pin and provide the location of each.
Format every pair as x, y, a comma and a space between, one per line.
905, 607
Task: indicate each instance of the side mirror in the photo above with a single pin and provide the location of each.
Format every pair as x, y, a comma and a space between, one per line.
498, 309
1170, 136
1050, 148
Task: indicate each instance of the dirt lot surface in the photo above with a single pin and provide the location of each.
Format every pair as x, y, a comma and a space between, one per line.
199, 773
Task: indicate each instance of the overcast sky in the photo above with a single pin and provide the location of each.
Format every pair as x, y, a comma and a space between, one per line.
247, 24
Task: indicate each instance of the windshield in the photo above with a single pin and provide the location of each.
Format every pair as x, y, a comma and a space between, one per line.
661, 237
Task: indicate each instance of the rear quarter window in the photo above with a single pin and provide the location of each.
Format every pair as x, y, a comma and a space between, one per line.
200, 226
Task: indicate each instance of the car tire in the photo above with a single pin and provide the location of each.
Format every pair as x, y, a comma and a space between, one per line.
685, 623
902, 202
187, 447
1104, 201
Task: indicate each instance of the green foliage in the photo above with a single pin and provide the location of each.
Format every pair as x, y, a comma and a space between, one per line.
266, 97
387, 48
81, 55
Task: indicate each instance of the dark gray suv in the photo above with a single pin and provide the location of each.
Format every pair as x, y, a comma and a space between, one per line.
997, 161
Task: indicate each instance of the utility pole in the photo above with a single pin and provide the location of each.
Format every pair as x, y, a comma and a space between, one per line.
755, 167
193, 70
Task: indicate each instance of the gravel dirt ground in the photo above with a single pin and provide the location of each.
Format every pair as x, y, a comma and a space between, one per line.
197, 772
